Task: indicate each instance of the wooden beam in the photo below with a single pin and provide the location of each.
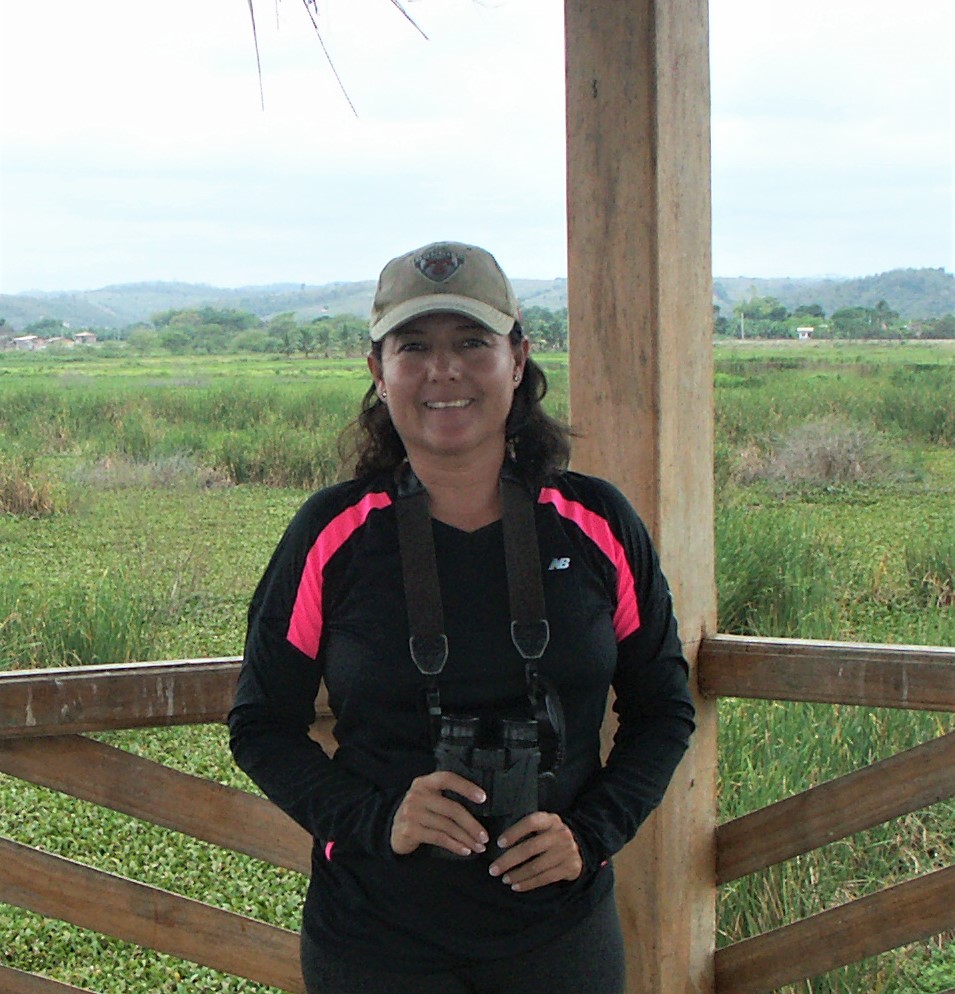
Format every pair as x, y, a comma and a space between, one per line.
72, 699
150, 917
116, 779
130, 695
641, 385
852, 932
18, 982
891, 676
907, 782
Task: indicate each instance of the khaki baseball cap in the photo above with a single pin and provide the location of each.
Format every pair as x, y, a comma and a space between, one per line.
444, 276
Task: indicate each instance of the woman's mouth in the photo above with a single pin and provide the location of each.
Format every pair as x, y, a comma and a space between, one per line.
441, 405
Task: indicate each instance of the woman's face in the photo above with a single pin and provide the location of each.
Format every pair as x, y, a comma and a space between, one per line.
449, 384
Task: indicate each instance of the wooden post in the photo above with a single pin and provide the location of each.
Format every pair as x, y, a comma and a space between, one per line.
641, 394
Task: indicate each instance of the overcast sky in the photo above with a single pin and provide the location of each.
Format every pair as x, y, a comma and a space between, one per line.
134, 146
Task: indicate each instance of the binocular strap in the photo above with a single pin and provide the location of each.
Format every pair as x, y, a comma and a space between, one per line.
428, 643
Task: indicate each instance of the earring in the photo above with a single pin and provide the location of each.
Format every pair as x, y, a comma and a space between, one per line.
517, 377
383, 394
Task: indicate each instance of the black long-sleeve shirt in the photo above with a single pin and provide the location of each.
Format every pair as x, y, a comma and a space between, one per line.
332, 605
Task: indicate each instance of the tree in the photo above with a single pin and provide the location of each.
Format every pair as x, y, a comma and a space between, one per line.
45, 328
253, 340
721, 324
143, 340
762, 317
306, 340
867, 322
323, 334
174, 340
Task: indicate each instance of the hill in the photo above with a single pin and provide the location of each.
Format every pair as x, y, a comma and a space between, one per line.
914, 293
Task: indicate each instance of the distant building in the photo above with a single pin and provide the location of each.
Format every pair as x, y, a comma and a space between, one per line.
84, 338
804, 334
28, 343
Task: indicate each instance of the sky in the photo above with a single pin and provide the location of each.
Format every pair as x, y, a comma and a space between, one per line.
134, 145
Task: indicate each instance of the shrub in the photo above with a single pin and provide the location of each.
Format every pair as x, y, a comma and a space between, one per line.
827, 451
161, 472
23, 493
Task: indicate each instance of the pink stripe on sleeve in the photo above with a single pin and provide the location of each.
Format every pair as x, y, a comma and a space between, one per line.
626, 618
305, 625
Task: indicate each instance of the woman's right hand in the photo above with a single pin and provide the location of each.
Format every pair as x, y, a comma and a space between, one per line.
426, 815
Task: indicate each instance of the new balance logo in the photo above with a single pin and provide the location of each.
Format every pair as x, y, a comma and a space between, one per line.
559, 564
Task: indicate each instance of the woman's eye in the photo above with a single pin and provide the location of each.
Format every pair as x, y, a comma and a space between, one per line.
411, 347
472, 343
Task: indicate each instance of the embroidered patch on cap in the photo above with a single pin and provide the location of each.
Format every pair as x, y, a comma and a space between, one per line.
439, 263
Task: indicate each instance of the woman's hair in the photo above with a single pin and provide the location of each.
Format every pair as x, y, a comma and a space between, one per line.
538, 443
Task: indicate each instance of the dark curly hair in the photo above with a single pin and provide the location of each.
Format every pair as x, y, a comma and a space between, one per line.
538, 443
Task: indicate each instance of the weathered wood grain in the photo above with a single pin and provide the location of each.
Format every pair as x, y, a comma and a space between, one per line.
896, 916
67, 700
641, 394
150, 917
116, 779
892, 676
907, 782
18, 982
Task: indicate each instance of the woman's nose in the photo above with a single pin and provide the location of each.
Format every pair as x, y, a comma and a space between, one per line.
443, 364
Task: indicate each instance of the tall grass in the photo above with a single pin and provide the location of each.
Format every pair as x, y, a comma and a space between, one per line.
774, 577
914, 402
279, 433
113, 619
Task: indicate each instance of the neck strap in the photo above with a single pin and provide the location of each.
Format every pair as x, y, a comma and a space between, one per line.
530, 632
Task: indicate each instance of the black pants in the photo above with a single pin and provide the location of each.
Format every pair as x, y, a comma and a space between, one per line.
588, 959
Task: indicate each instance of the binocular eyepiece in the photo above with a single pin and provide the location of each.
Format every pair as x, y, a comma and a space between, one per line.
465, 731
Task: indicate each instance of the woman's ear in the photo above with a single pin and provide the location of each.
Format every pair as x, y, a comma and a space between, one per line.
520, 359
374, 367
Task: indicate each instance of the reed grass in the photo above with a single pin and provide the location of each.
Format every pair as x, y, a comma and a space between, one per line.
113, 619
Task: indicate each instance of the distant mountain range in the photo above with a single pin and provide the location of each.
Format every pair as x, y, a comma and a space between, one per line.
914, 293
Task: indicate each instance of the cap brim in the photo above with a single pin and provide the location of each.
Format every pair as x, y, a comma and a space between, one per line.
437, 303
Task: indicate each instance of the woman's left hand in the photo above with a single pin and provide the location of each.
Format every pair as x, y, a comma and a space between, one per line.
540, 850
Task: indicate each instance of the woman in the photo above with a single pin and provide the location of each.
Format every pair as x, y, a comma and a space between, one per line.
524, 592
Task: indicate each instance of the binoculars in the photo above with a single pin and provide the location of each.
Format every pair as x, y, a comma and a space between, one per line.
502, 757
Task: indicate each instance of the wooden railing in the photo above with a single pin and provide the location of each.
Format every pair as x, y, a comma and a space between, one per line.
44, 713
836, 673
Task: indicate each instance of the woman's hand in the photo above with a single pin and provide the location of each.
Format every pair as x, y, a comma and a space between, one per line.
541, 850
426, 815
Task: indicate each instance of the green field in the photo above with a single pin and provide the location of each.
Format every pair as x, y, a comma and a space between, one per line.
140, 500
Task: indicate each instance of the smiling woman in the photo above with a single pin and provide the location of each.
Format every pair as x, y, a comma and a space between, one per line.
468, 603
448, 356
449, 384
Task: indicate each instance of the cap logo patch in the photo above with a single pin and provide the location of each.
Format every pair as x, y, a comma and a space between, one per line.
439, 263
